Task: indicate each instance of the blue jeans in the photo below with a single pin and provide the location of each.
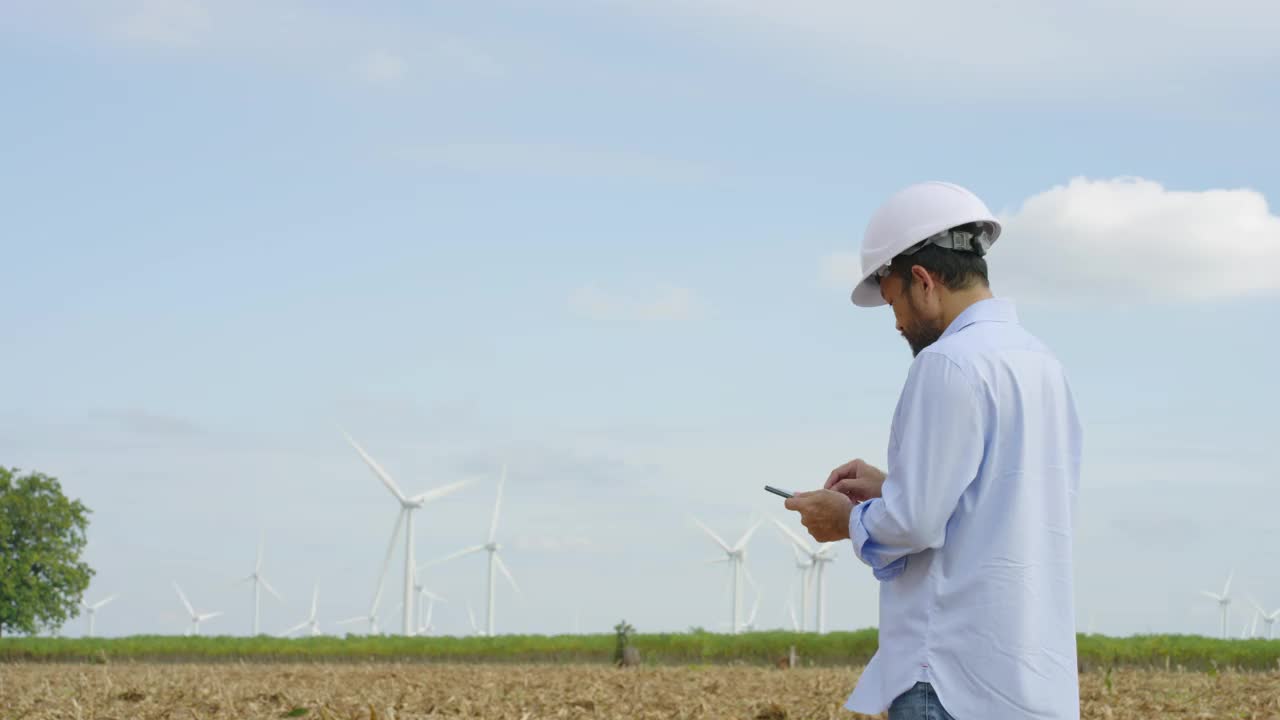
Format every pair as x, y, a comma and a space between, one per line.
918, 703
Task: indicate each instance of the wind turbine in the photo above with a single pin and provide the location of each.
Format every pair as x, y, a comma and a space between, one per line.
259, 582
817, 559
371, 618
734, 555
403, 518
311, 624
495, 560
826, 554
426, 607
1223, 600
1269, 619
804, 565
196, 618
92, 610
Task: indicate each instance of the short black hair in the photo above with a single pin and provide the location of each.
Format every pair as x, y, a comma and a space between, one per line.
955, 269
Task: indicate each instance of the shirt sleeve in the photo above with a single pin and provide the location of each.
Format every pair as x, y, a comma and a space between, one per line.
935, 448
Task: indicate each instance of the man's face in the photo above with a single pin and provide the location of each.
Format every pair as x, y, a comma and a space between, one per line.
915, 309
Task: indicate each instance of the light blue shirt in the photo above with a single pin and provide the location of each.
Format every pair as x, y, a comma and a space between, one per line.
972, 536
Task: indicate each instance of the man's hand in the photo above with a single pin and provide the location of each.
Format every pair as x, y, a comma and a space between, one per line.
856, 480
824, 513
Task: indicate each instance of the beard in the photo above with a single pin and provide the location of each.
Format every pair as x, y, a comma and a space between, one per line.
920, 333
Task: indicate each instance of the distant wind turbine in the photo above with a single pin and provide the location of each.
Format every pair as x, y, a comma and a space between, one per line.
196, 618
259, 582
817, 559
733, 555
426, 607
311, 624
495, 560
403, 518
1223, 600
1269, 619
92, 610
371, 618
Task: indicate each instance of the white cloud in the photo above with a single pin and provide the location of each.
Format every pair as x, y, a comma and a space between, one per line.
382, 68
1129, 238
841, 270
164, 23
664, 303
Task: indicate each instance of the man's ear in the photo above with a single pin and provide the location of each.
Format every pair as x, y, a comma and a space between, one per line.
921, 277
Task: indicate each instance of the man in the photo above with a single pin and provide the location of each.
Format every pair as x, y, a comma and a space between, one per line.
969, 531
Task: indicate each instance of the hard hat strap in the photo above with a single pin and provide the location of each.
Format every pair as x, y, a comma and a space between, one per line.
961, 238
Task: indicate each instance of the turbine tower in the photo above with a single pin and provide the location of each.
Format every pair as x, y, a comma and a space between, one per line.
311, 624
259, 582
403, 518
495, 560
92, 611
733, 555
1223, 600
196, 618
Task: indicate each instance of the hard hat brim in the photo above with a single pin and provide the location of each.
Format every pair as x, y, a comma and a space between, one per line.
867, 293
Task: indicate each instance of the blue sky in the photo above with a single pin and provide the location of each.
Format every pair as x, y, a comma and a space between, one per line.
609, 243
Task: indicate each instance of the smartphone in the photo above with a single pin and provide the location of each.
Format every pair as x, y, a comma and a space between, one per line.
776, 491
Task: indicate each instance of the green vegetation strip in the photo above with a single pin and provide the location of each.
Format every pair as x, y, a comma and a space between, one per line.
832, 649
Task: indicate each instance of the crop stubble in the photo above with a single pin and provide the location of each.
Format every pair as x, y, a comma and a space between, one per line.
387, 691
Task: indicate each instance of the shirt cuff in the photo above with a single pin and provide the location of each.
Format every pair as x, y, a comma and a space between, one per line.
868, 550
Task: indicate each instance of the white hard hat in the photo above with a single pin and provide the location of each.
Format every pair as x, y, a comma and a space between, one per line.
909, 217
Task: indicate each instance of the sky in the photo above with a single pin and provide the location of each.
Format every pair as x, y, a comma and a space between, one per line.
610, 245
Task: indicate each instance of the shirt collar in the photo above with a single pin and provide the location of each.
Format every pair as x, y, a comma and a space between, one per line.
989, 310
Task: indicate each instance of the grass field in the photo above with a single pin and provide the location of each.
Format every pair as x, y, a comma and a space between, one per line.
393, 691
1162, 652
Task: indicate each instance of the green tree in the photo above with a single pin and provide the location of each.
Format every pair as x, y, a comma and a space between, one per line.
42, 534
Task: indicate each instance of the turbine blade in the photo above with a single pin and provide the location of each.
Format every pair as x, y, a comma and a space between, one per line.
447, 558
315, 600
270, 589
349, 621
472, 616
377, 469
746, 538
257, 566
1212, 596
104, 601
294, 629
386, 561
827, 551
723, 545
441, 491
210, 616
497, 505
184, 600
505, 572
794, 537
1227, 589
791, 608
